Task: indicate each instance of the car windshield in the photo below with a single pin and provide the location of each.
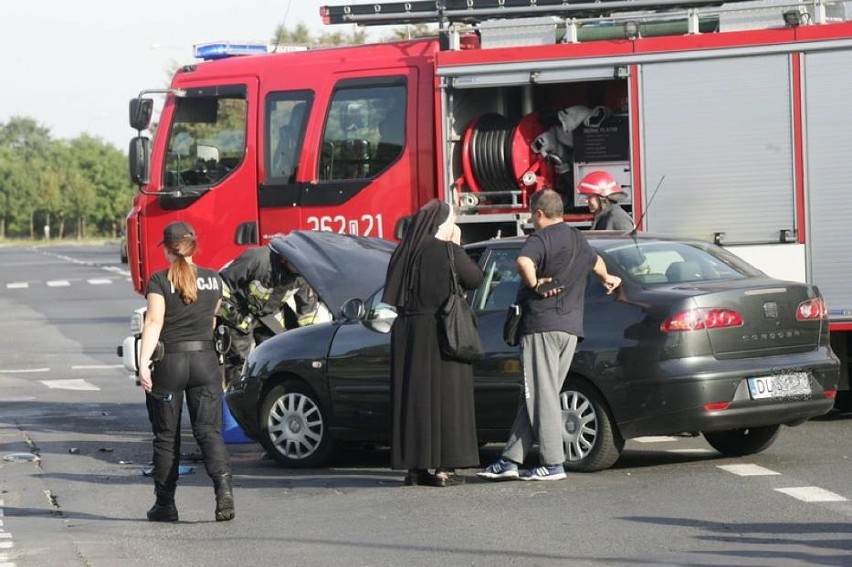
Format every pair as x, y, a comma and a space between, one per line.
668, 262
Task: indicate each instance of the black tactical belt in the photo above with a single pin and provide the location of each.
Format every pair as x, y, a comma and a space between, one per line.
189, 346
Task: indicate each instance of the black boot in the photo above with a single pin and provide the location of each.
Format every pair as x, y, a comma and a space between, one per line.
164, 509
224, 497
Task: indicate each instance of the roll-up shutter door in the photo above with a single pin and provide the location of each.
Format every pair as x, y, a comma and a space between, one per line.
828, 180
720, 130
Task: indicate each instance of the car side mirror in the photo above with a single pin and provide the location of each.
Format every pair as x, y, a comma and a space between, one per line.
401, 227
353, 310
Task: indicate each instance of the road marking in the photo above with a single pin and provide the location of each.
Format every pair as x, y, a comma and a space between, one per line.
75, 384
121, 271
58, 283
96, 366
811, 494
115, 270
99, 281
24, 370
6, 542
17, 285
655, 439
748, 470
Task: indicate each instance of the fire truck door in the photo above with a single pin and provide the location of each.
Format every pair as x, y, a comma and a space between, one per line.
352, 168
285, 121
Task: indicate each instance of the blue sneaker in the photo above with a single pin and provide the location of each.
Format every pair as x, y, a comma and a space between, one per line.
545, 472
502, 469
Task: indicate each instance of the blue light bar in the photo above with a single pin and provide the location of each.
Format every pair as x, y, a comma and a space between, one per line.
223, 49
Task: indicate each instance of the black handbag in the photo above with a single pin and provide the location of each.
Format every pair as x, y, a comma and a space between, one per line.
512, 322
460, 336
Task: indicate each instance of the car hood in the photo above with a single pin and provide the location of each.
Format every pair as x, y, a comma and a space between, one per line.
337, 266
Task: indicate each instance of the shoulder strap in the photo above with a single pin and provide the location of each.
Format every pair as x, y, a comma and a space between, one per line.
454, 286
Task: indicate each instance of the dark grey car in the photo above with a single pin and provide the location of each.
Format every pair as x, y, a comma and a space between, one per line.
695, 341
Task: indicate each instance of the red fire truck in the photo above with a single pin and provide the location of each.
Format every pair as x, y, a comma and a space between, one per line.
741, 107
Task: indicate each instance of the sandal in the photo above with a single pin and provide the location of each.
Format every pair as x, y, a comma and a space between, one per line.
420, 477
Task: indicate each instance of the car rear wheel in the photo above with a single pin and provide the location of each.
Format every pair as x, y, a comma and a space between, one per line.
591, 440
294, 428
741, 442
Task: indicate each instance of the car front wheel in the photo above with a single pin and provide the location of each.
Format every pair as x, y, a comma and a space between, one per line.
591, 440
294, 427
741, 442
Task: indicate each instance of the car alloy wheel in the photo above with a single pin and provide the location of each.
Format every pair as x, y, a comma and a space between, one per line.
579, 425
591, 442
294, 428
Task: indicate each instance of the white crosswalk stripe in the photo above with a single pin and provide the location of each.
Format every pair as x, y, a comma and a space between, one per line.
811, 494
99, 281
17, 285
58, 283
74, 384
748, 470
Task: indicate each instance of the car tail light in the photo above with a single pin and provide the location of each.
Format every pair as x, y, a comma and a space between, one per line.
811, 309
696, 319
830, 394
718, 406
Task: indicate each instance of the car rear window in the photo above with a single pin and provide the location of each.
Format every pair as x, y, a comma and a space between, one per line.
650, 263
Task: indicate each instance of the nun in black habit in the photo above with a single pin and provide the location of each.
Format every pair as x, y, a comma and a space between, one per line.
434, 424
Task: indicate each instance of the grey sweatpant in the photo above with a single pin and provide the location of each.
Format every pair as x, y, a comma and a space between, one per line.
546, 359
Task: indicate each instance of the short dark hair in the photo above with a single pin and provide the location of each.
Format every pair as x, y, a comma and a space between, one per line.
548, 202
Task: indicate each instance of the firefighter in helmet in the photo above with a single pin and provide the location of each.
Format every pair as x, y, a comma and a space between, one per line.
602, 193
263, 296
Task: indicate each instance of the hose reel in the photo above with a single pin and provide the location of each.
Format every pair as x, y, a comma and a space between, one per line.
500, 161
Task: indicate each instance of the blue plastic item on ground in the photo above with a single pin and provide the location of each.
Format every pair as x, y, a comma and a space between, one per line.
231, 431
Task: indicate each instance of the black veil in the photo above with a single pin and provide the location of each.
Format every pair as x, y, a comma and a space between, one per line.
420, 231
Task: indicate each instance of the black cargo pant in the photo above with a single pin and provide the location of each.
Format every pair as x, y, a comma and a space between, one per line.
198, 375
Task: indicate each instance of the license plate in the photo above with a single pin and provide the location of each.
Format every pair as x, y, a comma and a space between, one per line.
791, 385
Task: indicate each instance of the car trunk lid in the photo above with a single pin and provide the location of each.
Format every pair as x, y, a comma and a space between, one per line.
768, 311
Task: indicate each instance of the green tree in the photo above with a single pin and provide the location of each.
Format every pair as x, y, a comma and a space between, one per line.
30, 143
301, 35
46, 182
412, 31
104, 169
12, 175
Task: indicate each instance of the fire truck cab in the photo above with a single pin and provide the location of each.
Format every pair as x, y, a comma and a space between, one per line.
725, 121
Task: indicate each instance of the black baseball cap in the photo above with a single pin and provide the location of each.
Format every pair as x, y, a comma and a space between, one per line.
177, 232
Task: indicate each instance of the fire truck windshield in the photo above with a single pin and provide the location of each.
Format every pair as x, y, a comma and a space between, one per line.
206, 138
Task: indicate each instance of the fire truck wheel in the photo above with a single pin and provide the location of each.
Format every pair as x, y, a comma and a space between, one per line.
294, 426
741, 442
592, 442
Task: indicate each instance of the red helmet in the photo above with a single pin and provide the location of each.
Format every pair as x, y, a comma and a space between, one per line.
598, 183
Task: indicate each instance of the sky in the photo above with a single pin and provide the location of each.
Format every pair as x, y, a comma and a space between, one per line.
73, 65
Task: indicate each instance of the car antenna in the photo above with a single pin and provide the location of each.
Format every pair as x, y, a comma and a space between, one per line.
645, 212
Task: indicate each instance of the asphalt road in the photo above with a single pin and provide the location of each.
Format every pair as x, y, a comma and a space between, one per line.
65, 398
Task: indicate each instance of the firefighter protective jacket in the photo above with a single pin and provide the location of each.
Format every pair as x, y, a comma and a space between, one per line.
258, 287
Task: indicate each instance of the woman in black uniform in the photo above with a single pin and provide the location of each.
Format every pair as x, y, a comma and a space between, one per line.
182, 302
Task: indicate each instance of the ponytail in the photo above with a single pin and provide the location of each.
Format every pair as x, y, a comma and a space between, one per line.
181, 273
